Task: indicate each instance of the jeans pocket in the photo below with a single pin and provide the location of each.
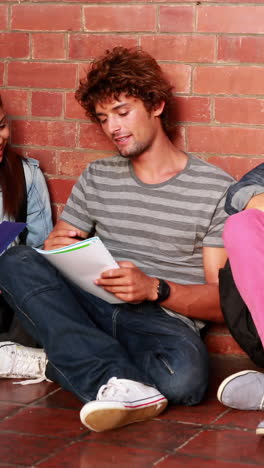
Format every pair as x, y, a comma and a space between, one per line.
165, 363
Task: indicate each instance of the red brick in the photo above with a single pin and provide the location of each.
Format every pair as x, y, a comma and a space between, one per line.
92, 137
73, 110
239, 110
179, 76
48, 46
15, 101
228, 80
236, 166
46, 104
195, 48
3, 17
14, 45
193, 109
110, 18
178, 137
60, 189
241, 49
73, 163
43, 133
226, 140
46, 158
222, 345
2, 69
231, 19
228, 1
46, 17
89, 46
176, 19
42, 75
56, 211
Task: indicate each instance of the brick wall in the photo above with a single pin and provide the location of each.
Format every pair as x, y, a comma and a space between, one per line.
213, 52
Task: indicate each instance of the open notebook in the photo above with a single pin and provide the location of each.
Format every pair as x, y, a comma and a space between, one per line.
82, 263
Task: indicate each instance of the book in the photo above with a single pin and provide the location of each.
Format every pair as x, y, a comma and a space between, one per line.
82, 263
9, 230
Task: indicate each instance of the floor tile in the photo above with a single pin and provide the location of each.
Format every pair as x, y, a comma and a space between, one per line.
163, 435
185, 461
7, 409
93, 455
26, 449
45, 421
205, 413
237, 445
61, 399
241, 419
24, 393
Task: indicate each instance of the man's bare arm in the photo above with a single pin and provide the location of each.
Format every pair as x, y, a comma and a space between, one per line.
199, 301
63, 234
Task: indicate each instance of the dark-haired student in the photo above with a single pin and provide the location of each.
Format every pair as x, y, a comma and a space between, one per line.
23, 197
160, 212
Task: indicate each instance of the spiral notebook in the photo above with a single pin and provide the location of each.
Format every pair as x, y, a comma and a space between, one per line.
82, 263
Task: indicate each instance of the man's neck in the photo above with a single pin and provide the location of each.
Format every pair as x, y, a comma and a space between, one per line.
159, 163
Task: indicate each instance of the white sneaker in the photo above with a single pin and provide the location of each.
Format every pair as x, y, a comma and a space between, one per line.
243, 390
18, 362
260, 429
121, 402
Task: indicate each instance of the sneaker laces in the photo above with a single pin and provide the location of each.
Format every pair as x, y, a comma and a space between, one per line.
26, 363
114, 390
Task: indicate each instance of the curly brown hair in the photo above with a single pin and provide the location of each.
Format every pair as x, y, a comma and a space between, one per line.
130, 71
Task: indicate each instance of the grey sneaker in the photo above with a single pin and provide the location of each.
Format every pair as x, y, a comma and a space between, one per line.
121, 402
260, 428
17, 361
243, 390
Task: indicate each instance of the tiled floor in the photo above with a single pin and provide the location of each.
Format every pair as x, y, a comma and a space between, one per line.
40, 427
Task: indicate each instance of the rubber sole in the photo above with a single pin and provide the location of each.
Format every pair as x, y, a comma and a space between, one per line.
102, 416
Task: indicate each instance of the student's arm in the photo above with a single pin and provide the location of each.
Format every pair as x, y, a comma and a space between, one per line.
63, 234
256, 202
198, 301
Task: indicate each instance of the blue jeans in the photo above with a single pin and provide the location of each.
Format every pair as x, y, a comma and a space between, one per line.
88, 341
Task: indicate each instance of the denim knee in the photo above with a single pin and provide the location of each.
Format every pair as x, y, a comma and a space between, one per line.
186, 387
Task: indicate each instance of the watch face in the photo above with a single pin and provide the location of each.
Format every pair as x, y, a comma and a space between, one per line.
163, 290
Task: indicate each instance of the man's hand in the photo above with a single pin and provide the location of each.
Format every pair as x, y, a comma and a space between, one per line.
129, 283
61, 238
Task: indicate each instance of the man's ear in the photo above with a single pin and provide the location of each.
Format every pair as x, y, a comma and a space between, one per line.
157, 111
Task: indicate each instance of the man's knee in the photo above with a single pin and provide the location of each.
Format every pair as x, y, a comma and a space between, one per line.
186, 387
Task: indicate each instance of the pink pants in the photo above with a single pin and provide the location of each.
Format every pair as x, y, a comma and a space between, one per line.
244, 242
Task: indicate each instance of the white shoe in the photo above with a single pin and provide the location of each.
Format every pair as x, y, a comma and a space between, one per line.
243, 390
18, 362
260, 428
121, 402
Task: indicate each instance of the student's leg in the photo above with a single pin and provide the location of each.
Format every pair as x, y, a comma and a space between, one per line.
81, 356
244, 242
169, 351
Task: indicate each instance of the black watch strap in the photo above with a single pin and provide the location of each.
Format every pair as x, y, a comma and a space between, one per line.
163, 290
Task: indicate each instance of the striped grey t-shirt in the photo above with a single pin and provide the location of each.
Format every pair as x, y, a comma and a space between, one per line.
160, 227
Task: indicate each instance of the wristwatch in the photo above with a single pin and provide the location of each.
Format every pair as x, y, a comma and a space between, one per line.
163, 291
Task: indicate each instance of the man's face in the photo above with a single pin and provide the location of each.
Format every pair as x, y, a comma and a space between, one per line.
128, 124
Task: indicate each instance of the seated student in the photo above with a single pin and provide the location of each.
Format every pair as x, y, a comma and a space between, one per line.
23, 197
244, 241
160, 212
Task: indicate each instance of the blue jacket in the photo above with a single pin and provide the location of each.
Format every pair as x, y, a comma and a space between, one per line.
241, 192
39, 220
